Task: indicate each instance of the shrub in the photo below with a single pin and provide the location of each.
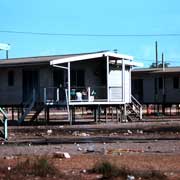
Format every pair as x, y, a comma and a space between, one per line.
39, 167
109, 170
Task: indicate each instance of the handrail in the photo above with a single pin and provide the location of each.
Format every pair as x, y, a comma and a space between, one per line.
31, 104
32, 98
138, 106
135, 100
5, 119
4, 114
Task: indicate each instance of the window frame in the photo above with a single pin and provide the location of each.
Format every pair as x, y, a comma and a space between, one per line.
76, 78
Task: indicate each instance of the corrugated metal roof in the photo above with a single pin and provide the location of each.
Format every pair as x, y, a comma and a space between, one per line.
157, 70
37, 60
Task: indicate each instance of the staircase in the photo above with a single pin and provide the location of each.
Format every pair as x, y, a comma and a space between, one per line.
27, 107
3, 125
134, 110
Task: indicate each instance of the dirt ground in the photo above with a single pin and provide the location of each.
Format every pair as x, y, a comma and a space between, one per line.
78, 165
140, 147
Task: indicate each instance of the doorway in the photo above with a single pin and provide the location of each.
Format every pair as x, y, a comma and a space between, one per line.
30, 82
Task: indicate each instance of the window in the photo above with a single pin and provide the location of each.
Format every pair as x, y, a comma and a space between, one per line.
176, 82
160, 83
77, 78
11, 78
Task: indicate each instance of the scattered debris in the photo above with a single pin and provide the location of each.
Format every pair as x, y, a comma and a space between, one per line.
90, 148
113, 134
129, 131
79, 148
59, 154
77, 133
83, 171
49, 132
140, 131
130, 177
9, 157
100, 176
120, 151
84, 134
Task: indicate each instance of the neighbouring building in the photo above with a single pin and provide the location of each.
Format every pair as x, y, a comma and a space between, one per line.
157, 86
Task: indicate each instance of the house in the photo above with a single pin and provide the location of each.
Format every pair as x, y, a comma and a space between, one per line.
157, 86
87, 79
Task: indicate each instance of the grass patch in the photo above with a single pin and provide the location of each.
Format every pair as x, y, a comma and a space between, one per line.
108, 170
38, 167
111, 171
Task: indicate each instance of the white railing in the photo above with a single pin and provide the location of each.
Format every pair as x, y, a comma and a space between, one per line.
52, 95
137, 107
4, 122
88, 94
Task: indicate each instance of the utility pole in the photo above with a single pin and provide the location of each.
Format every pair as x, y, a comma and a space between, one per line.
5, 47
156, 50
164, 81
163, 64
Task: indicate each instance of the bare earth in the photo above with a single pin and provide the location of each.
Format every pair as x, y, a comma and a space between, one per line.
139, 147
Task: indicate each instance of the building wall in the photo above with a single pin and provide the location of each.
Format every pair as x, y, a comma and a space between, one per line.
13, 95
127, 85
172, 95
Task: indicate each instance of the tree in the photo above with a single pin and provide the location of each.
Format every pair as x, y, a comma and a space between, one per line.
153, 65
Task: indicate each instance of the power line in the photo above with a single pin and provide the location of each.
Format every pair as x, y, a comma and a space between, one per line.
90, 35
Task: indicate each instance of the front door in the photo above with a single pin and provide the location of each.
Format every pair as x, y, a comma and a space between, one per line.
59, 82
30, 82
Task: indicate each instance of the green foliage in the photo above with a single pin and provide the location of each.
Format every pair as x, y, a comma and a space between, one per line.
109, 170
39, 167
153, 65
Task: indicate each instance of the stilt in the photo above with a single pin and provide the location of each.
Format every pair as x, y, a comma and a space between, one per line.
124, 112
105, 114
117, 113
47, 114
95, 114
45, 117
121, 114
72, 115
18, 113
12, 113
112, 117
99, 113
170, 110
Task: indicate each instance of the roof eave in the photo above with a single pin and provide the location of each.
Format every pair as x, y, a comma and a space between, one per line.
90, 56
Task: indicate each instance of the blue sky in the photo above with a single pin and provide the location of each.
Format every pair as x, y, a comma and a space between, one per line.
91, 17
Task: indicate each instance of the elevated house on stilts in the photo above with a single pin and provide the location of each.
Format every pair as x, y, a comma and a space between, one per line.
96, 81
